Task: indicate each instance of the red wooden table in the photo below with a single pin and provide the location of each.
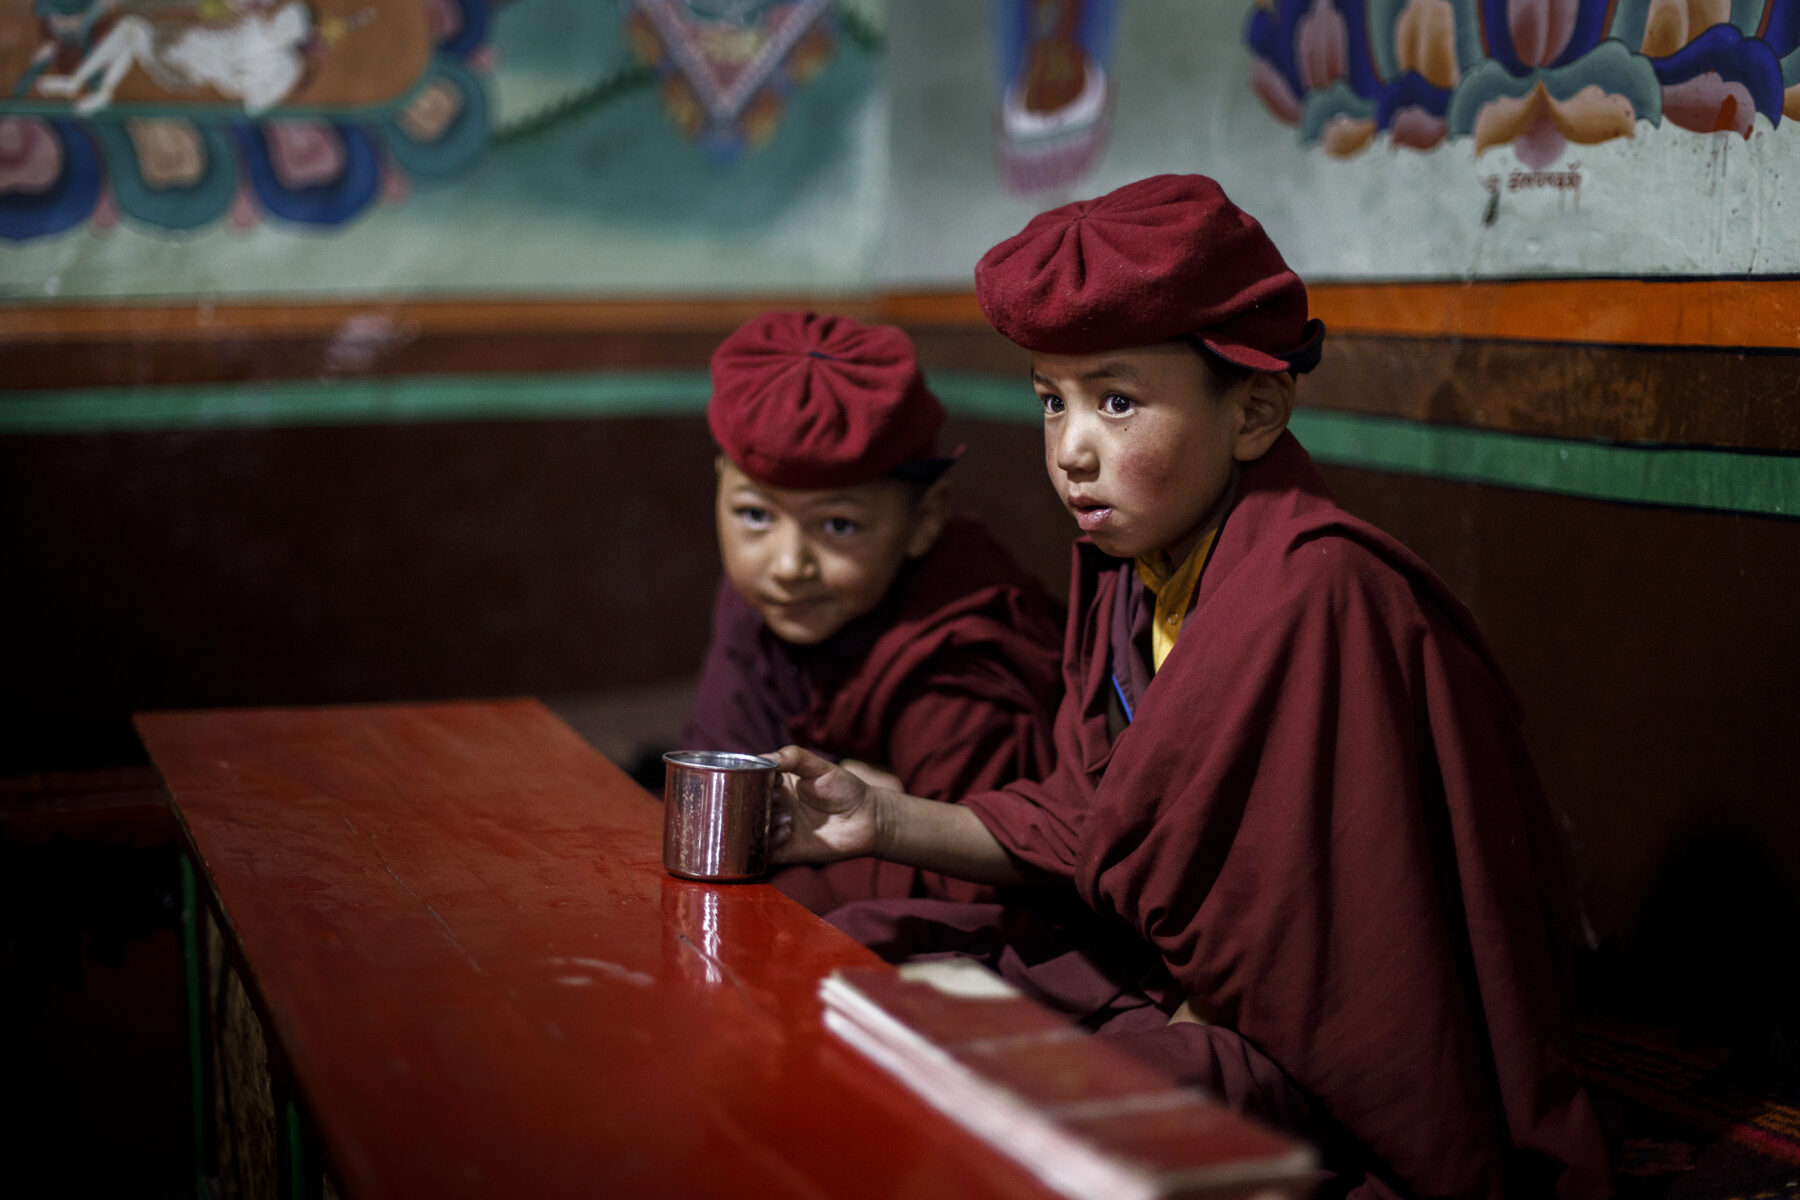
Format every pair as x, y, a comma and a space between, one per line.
456, 923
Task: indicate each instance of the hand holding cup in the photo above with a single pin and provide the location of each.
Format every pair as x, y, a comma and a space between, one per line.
823, 811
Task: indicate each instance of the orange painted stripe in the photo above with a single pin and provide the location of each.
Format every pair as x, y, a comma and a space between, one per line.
1731, 313
1721, 313
1744, 313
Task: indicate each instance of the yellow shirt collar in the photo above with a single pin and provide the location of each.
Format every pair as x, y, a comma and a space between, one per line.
1173, 587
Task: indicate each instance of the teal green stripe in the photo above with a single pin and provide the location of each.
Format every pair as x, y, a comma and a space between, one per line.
1669, 476
383, 399
988, 397
1676, 477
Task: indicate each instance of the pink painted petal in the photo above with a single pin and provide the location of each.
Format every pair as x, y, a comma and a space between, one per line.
244, 212
1541, 143
31, 156
1417, 129
1709, 104
1321, 46
1541, 29
446, 19
105, 216
305, 153
1272, 88
395, 186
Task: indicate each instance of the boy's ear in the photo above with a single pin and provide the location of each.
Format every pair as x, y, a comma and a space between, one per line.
929, 515
1264, 408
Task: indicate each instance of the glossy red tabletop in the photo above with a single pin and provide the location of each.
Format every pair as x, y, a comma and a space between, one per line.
458, 924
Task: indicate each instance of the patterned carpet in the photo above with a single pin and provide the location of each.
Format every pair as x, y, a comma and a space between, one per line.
1693, 1121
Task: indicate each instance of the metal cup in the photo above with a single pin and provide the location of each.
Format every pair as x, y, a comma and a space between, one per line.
716, 814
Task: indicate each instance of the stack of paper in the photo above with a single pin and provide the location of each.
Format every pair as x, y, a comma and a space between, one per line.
1086, 1118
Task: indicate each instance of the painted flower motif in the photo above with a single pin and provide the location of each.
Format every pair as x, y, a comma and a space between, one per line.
310, 172
31, 156
725, 75
1425, 42
50, 177
1311, 70
1534, 75
1716, 72
169, 153
304, 154
1321, 45
1541, 33
1273, 75
1426, 64
143, 141
1719, 82
431, 112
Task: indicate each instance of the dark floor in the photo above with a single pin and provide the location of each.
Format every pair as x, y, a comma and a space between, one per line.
93, 1062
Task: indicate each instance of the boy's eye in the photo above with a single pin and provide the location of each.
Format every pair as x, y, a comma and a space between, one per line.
840, 526
1115, 405
752, 516
1052, 404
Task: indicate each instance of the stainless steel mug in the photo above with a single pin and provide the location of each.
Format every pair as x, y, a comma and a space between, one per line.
716, 814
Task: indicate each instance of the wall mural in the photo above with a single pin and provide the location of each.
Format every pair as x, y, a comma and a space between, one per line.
540, 147
446, 147
1538, 76
177, 113
1056, 98
726, 67
180, 113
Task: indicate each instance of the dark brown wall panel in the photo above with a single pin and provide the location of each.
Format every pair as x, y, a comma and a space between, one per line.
356, 563
1727, 398
1655, 653
308, 565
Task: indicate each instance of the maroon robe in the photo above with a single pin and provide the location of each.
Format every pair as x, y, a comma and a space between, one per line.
1323, 817
951, 683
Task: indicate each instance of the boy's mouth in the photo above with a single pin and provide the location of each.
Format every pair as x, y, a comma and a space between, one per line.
1091, 516
793, 603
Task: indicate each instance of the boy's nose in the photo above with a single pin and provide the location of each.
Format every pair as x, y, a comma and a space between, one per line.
1073, 449
793, 557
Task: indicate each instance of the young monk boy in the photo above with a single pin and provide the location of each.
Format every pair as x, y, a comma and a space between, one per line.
858, 617
1284, 756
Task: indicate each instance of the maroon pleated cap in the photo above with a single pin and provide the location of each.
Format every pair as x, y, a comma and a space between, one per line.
807, 401
1162, 259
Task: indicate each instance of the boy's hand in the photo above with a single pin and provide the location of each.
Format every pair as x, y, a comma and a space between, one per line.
875, 777
823, 812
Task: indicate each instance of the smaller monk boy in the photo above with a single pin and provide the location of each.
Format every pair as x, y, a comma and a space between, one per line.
858, 616
1286, 761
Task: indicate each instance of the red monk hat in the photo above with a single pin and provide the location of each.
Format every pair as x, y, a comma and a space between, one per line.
1162, 259
805, 401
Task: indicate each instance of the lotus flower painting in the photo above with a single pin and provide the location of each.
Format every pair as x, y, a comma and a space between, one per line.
181, 114
1533, 78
